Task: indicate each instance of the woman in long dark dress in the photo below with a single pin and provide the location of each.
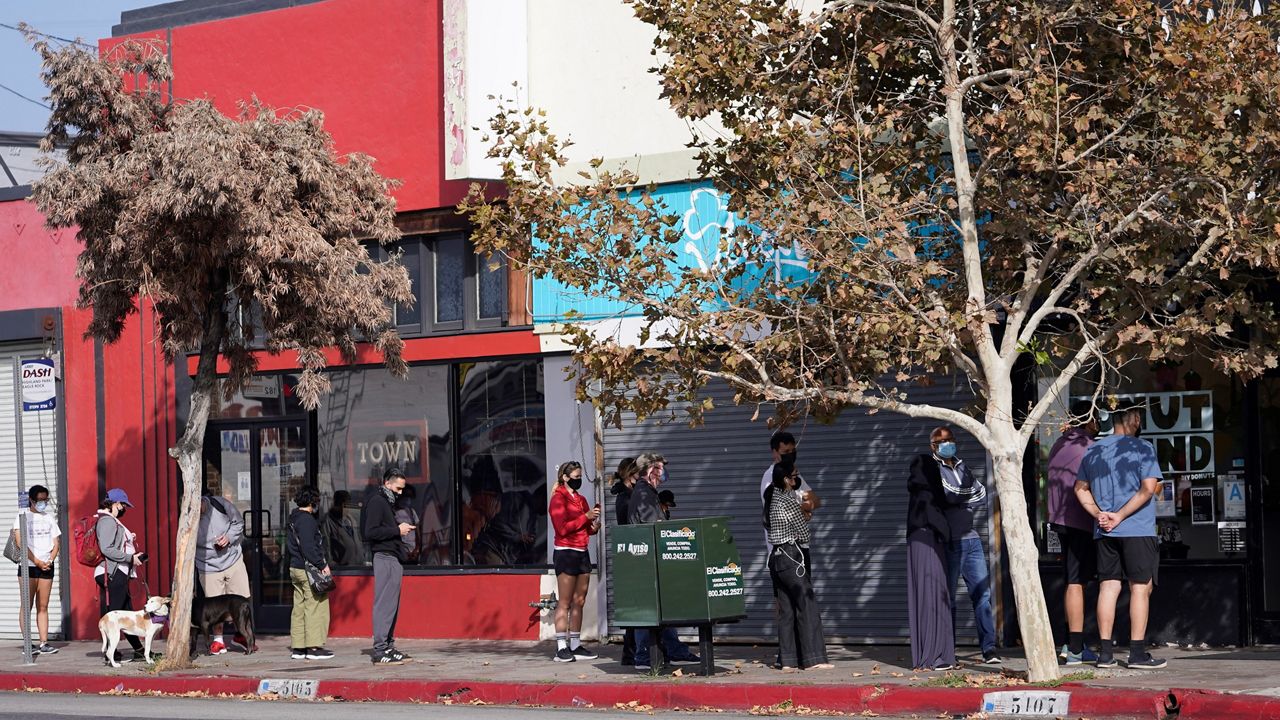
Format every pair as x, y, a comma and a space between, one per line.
928, 597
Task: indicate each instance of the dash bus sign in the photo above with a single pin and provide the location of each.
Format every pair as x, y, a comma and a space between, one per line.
39, 392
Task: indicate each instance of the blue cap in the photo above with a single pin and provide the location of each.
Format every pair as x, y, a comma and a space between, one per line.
117, 495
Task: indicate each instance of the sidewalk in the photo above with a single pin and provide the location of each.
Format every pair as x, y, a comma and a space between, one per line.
1243, 683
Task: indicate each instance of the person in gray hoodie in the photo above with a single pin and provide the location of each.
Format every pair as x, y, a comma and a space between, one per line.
219, 560
120, 558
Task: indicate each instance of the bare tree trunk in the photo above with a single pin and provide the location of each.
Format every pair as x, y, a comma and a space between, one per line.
1024, 558
189, 453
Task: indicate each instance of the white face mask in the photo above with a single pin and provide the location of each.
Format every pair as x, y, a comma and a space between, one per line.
43, 506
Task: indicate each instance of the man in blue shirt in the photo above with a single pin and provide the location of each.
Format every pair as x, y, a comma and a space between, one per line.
1118, 481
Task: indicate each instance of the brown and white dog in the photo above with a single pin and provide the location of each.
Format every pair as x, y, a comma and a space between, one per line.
144, 623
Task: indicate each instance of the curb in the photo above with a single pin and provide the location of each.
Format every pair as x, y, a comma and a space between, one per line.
1092, 702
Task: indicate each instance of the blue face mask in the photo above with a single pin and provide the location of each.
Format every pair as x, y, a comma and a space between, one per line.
946, 450
42, 506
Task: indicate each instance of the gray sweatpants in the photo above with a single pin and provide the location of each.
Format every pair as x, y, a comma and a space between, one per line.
387, 573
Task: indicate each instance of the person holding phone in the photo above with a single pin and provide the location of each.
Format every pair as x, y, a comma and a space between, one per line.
574, 524
383, 534
120, 560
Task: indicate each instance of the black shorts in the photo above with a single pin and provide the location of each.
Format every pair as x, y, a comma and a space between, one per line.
35, 573
1079, 555
1136, 559
572, 562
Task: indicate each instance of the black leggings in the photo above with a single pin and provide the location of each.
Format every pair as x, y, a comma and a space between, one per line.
117, 598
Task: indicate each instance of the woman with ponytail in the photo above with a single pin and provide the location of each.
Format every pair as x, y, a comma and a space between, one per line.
574, 522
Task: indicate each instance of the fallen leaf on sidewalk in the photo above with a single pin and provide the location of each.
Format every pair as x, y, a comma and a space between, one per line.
583, 676
478, 701
896, 674
876, 669
485, 662
677, 673
856, 674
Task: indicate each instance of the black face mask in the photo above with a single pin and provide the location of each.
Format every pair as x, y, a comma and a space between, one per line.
788, 457
123, 510
575, 484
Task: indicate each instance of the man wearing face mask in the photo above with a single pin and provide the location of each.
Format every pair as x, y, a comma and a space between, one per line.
963, 495
1117, 485
383, 533
43, 544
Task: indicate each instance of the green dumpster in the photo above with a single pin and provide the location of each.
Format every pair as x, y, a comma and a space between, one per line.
677, 573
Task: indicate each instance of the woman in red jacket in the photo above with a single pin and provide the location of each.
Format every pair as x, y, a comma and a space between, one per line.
574, 522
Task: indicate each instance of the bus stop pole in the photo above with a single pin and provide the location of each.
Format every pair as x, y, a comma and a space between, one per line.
24, 569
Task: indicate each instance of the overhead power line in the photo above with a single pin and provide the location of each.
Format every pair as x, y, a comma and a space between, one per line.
24, 97
47, 35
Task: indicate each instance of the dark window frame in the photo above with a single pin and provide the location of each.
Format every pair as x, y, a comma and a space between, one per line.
425, 266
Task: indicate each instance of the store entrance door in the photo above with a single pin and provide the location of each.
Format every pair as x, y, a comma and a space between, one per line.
258, 466
1264, 515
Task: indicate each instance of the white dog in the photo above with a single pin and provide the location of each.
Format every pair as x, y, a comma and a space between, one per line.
144, 623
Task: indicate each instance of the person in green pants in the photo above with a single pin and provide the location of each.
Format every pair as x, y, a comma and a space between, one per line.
309, 624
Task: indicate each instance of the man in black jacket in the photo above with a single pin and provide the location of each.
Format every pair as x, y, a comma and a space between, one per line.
382, 534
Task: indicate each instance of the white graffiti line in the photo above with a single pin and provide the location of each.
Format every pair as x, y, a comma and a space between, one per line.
722, 206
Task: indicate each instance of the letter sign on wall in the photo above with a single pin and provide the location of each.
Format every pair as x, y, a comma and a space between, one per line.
38, 389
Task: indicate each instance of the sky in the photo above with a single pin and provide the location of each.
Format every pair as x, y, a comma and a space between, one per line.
20, 68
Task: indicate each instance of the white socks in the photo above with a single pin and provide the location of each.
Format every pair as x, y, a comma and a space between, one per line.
562, 641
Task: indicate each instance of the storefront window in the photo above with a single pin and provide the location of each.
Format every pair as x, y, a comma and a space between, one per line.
369, 422
1193, 417
503, 451
494, 514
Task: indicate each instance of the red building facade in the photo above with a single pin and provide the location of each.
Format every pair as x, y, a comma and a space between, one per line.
469, 424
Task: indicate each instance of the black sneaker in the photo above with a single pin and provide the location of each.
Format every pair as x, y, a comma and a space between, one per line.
564, 654
1146, 663
45, 649
399, 656
582, 653
317, 653
689, 659
385, 658
989, 657
943, 667
141, 656
1106, 660
643, 665
298, 653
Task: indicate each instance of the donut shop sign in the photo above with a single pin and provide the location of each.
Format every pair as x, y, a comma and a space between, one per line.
39, 392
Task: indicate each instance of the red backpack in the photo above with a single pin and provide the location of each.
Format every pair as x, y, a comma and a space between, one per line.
85, 535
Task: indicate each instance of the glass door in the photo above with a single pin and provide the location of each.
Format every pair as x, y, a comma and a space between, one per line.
1264, 513
259, 467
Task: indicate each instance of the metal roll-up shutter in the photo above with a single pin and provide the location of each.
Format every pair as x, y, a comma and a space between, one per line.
857, 465
40, 455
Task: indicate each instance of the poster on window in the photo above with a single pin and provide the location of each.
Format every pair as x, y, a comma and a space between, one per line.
1202, 505
1166, 507
1233, 507
1179, 425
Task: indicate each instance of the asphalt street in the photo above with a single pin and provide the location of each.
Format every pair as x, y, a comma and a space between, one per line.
42, 706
